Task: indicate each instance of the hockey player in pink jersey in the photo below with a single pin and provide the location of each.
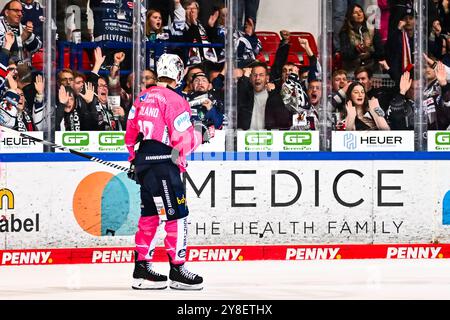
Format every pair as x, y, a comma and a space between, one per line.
159, 136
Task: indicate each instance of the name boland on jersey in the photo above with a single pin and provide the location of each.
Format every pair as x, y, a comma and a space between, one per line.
162, 115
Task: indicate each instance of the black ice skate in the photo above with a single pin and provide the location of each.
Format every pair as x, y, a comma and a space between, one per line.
182, 279
145, 278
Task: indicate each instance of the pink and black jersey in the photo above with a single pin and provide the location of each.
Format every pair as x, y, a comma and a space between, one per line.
161, 115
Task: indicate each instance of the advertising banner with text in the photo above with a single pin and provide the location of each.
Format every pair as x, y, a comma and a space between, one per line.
85, 204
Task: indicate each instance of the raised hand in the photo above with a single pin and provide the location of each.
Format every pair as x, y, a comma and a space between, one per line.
89, 95
405, 82
351, 110
63, 96
99, 59
119, 57
39, 84
249, 27
27, 31
12, 83
9, 40
441, 74
285, 35
213, 18
384, 65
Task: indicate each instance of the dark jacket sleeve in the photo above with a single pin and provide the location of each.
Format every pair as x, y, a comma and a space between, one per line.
280, 59
277, 115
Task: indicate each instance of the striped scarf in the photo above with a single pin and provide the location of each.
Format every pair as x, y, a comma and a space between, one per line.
407, 64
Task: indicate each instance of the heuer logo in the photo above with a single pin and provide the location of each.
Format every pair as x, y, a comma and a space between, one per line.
111, 139
350, 141
75, 139
258, 139
443, 138
297, 138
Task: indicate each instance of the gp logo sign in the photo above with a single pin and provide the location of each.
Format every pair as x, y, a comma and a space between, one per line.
94, 141
258, 139
297, 139
443, 138
438, 141
111, 139
277, 141
75, 139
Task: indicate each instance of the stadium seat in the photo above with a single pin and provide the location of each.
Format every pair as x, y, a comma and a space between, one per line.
86, 63
37, 60
270, 41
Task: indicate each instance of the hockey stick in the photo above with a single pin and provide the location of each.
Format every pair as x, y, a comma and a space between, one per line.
56, 146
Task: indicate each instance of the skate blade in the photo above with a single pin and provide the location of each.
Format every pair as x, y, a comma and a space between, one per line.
142, 284
182, 286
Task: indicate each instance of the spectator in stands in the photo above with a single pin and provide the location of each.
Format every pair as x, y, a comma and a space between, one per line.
13, 110
206, 104
304, 116
437, 41
113, 21
400, 114
365, 77
400, 45
26, 43
437, 97
218, 21
75, 109
67, 114
26, 83
439, 10
340, 86
281, 65
247, 9
315, 100
165, 7
247, 44
397, 9
156, 31
79, 81
208, 8
65, 77
195, 32
359, 45
75, 10
149, 78
362, 113
34, 12
259, 109
191, 71
339, 10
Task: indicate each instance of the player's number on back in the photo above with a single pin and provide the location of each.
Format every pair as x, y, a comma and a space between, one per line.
146, 127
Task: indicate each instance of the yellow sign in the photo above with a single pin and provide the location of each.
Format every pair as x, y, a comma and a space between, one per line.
9, 196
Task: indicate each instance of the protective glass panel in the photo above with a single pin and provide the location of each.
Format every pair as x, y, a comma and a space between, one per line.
374, 51
278, 73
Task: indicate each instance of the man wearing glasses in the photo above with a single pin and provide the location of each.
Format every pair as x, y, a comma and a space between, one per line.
25, 43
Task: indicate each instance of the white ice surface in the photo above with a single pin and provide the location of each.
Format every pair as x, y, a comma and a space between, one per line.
262, 280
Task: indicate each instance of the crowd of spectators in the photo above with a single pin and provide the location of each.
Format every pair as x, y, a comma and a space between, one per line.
285, 95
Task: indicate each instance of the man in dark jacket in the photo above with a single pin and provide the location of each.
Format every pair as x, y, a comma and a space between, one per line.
259, 109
